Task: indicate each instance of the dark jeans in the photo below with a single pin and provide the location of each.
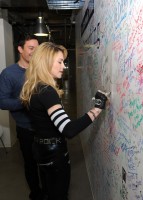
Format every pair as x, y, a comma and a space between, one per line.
26, 138
54, 168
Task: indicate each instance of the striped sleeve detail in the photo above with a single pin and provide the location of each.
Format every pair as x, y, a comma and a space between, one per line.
60, 119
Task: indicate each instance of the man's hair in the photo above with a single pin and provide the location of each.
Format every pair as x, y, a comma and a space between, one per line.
25, 37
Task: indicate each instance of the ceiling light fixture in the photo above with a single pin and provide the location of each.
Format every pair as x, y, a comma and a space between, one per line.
40, 29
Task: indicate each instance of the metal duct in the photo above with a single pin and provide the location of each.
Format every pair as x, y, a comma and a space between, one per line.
65, 5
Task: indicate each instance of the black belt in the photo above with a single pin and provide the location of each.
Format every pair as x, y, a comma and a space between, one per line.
48, 140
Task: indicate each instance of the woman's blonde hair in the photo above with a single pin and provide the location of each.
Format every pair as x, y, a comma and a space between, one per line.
39, 70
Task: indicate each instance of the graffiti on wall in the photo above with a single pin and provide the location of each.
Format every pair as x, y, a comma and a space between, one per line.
111, 38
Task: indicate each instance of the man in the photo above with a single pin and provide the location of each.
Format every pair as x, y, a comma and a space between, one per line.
11, 82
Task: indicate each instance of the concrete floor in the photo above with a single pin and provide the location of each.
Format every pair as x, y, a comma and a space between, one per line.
12, 181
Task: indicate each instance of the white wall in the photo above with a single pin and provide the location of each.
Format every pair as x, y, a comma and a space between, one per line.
110, 57
6, 58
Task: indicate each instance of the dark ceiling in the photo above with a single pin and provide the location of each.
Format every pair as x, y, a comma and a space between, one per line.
23, 14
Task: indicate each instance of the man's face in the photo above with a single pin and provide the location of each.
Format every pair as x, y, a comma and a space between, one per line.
28, 49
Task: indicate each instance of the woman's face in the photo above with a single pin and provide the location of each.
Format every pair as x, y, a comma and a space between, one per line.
58, 66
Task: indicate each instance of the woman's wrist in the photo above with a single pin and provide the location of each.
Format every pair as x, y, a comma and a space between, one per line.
93, 113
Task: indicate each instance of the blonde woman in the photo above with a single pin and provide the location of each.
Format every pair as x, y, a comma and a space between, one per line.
42, 96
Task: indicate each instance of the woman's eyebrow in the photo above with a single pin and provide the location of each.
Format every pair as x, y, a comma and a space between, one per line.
61, 59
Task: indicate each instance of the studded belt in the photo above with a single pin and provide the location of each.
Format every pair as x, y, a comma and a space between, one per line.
53, 140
